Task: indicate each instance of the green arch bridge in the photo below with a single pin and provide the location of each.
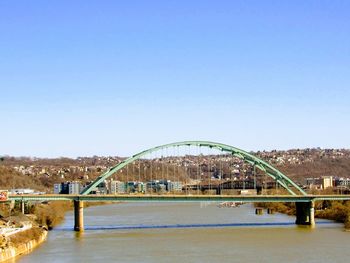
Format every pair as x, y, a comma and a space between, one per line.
304, 202
271, 171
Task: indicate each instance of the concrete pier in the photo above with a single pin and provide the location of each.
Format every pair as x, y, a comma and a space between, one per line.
259, 211
270, 211
78, 215
23, 207
305, 212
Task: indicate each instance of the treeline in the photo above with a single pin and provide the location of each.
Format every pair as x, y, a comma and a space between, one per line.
48, 214
51, 214
338, 211
339, 167
10, 178
145, 171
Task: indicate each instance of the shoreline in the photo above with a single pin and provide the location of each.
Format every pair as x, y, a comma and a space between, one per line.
13, 250
337, 212
24, 242
43, 218
16, 248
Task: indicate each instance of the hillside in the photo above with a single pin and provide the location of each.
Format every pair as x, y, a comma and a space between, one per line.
41, 174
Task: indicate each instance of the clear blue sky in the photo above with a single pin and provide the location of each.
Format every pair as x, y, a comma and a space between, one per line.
79, 78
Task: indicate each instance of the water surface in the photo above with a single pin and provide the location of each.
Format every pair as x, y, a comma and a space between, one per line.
190, 232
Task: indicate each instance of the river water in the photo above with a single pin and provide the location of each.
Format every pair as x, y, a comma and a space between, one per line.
190, 232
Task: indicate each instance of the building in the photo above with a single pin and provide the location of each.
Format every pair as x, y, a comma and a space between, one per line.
174, 186
67, 188
327, 182
140, 186
21, 191
57, 188
345, 182
323, 182
150, 187
161, 188
64, 188
314, 183
131, 187
74, 188
157, 186
102, 188
117, 187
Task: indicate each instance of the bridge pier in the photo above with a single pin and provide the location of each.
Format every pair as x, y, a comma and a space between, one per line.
78, 215
23, 207
305, 212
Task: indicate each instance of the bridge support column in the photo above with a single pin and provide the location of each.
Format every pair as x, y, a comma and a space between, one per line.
78, 215
305, 212
23, 207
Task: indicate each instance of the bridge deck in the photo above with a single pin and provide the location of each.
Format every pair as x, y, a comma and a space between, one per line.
179, 198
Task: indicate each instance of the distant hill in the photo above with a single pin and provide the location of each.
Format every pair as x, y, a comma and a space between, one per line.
41, 174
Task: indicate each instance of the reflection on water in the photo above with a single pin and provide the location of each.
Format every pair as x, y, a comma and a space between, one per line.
188, 232
192, 226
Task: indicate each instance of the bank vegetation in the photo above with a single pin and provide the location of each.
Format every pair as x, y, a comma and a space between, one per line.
338, 211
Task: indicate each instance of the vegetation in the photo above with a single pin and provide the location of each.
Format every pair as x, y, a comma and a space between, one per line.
332, 210
25, 236
9, 178
336, 167
41, 174
336, 210
51, 214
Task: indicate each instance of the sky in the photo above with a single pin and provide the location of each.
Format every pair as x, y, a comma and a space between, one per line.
83, 78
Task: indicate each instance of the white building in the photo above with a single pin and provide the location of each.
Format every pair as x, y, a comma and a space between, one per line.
21, 191
327, 181
118, 187
174, 186
57, 188
343, 182
74, 188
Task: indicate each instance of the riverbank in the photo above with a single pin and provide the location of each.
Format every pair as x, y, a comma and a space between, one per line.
41, 218
53, 213
338, 211
249, 243
21, 243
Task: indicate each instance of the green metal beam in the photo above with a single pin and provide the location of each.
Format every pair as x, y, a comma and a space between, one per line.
179, 198
260, 164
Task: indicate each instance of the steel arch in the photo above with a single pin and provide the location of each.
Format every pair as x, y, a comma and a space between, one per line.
271, 171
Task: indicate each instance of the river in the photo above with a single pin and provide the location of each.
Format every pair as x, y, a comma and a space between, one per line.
190, 232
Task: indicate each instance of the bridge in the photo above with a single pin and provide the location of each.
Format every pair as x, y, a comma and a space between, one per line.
304, 203
194, 174
179, 198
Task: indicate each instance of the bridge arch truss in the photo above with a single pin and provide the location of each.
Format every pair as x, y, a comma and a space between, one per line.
262, 165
